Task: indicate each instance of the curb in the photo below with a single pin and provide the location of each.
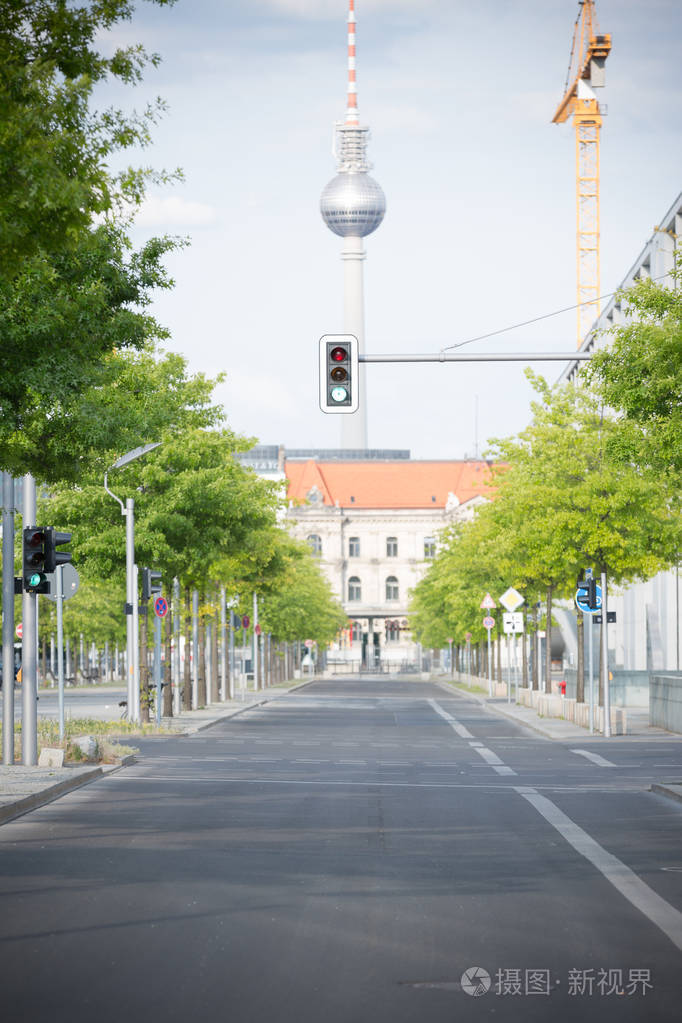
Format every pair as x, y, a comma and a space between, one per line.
671, 790
11, 810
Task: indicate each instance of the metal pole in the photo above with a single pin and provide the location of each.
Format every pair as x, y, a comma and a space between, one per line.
605, 660
136, 650
232, 660
195, 648
478, 357
29, 673
59, 578
223, 646
8, 618
157, 665
129, 513
176, 635
255, 643
509, 670
590, 626
490, 668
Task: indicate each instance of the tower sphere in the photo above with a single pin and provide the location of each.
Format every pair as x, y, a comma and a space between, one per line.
353, 204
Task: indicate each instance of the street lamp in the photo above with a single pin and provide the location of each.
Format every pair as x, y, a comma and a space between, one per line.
132, 649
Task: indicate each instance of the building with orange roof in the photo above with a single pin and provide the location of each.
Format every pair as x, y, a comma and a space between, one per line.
375, 525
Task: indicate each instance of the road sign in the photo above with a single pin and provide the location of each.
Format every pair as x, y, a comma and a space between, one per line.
610, 618
20, 630
468, 637
487, 604
489, 622
581, 601
512, 622
257, 629
70, 583
160, 607
308, 643
246, 621
511, 599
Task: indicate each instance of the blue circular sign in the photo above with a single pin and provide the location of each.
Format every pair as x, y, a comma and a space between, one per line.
581, 602
160, 607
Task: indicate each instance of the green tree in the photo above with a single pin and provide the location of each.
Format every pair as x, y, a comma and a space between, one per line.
71, 288
640, 375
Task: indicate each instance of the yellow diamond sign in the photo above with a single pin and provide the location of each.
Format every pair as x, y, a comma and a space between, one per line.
511, 599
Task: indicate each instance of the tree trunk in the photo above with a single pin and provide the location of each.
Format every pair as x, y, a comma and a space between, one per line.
215, 668
535, 650
187, 675
144, 668
548, 651
167, 675
201, 667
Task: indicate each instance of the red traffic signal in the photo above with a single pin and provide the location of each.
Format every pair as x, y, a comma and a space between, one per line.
339, 373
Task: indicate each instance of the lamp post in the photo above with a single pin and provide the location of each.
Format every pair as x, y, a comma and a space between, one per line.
132, 652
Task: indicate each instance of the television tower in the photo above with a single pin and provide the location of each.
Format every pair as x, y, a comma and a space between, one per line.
352, 206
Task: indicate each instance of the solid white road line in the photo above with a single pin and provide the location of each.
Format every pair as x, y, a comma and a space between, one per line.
637, 892
463, 732
594, 757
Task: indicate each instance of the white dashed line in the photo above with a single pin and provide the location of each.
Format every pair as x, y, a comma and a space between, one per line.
462, 732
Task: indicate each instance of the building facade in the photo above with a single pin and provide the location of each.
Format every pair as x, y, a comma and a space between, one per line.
375, 526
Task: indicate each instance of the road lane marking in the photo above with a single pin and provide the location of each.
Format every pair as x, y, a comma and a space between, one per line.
462, 732
503, 769
594, 757
362, 763
475, 744
637, 892
488, 755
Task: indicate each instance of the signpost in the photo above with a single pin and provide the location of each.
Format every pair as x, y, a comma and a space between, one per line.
583, 606
511, 599
160, 607
20, 630
489, 623
487, 604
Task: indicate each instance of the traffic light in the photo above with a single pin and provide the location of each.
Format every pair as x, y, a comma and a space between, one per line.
339, 373
53, 557
34, 570
151, 584
591, 587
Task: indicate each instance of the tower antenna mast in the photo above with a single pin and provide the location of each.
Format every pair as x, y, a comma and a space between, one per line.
352, 206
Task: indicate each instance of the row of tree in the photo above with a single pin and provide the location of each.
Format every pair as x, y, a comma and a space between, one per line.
82, 376
593, 481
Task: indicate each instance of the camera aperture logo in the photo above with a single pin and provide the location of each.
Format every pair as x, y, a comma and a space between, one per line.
476, 981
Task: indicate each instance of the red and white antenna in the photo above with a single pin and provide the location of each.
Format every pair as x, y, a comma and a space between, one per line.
352, 108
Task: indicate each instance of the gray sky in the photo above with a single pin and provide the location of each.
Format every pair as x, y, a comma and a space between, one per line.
480, 186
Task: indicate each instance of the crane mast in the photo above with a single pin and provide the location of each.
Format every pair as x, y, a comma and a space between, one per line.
586, 73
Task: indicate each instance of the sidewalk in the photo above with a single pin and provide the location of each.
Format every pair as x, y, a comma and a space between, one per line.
25, 788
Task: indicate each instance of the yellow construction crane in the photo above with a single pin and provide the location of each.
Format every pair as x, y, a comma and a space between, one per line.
586, 73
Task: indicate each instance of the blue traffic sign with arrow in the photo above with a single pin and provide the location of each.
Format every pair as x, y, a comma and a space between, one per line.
581, 601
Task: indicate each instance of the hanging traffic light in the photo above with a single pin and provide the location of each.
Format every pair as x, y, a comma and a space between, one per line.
339, 373
34, 571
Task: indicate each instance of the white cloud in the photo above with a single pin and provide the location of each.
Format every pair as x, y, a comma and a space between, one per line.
174, 212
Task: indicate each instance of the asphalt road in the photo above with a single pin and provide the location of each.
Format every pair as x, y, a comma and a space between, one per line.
355, 852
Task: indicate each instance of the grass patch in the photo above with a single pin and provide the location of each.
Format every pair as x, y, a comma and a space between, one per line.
108, 751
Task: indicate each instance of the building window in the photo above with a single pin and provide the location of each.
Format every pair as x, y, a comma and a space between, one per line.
429, 547
356, 634
392, 547
354, 547
354, 588
315, 543
391, 588
392, 631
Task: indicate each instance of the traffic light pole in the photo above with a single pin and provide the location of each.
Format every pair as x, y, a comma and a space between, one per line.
8, 618
480, 357
131, 593
29, 641
59, 577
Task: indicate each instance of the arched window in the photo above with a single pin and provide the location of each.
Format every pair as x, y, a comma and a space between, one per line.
315, 543
429, 547
391, 546
392, 631
354, 588
356, 634
354, 547
392, 592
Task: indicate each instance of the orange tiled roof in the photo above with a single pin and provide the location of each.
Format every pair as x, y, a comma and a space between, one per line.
388, 484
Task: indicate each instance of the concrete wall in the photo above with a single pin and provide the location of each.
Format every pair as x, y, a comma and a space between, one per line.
665, 701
